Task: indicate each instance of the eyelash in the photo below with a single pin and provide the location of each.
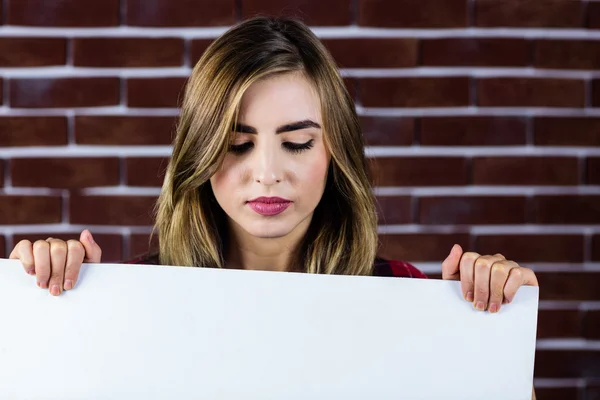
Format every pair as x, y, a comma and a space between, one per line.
291, 147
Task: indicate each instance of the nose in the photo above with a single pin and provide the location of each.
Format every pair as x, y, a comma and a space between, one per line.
269, 168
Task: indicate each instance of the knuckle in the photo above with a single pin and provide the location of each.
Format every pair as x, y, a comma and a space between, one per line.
516, 272
482, 264
498, 268
39, 244
74, 246
58, 248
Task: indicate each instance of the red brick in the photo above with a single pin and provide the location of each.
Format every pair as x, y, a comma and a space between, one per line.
591, 324
566, 131
551, 363
16, 210
4, 252
387, 131
351, 84
570, 54
111, 245
33, 131
32, 52
552, 171
63, 12
124, 130
458, 210
64, 92
127, 52
158, 92
596, 93
567, 209
162, 13
373, 53
70, 173
558, 393
592, 387
394, 210
533, 248
144, 171
531, 92
413, 13
593, 15
112, 210
314, 13
483, 52
596, 248
414, 92
197, 48
559, 323
420, 247
1, 173
472, 131
529, 14
575, 286
140, 245
419, 171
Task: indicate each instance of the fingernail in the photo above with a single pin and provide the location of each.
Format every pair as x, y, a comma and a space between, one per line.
470, 297
31, 271
55, 290
508, 299
68, 285
43, 285
494, 308
480, 306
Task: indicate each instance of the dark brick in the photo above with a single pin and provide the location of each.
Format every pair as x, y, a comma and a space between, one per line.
158, 92
531, 92
593, 16
314, 13
373, 53
33, 131
558, 393
144, 171
17, 210
420, 247
566, 131
580, 286
596, 248
63, 12
197, 48
414, 92
419, 171
140, 245
529, 14
163, 13
553, 171
567, 209
112, 210
394, 210
591, 324
596, 93
67, 173
533, 248
387, 131
64, 92
559, 323
32, 52
485, 52
127, 52
458, 210
567, 363
472, 131
124, 130
413, 13
569, 54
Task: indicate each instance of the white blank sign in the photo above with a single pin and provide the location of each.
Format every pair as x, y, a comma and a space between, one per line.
158, 332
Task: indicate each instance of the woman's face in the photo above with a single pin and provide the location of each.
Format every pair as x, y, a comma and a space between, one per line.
274, 175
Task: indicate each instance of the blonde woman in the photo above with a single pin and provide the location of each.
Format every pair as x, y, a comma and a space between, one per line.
268, 172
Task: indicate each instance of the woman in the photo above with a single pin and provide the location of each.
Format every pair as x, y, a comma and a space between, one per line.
268, 172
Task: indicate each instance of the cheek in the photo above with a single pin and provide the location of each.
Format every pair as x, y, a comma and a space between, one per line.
315, 172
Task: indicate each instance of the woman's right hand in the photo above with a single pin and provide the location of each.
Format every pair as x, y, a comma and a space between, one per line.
57, 263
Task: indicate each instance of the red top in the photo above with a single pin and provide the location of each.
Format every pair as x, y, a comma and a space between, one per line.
381, 267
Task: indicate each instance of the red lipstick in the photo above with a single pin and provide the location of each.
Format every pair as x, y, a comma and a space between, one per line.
269, 206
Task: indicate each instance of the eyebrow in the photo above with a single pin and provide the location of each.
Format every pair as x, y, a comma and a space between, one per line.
294, 126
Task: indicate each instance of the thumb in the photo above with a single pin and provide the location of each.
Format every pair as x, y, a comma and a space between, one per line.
451, 265
93, 252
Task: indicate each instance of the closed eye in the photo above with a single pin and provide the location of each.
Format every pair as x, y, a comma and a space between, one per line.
289, 146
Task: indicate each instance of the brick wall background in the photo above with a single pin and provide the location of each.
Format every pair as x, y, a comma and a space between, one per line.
483, 117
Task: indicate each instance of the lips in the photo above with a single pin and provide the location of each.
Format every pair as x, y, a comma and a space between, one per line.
269, 206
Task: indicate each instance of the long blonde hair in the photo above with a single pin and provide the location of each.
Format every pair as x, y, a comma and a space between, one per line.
342, 237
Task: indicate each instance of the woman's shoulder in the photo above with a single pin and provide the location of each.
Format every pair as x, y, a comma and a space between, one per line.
397, 269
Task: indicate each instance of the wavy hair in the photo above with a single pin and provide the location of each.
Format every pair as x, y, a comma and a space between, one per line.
342, 237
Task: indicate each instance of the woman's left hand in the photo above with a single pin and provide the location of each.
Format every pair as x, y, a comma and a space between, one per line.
486, 281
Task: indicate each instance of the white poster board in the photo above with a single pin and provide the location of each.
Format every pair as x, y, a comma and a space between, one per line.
157, 332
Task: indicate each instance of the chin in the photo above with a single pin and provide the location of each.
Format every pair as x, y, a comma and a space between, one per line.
268, 233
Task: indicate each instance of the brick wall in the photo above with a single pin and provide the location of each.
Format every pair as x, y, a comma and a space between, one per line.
483, 116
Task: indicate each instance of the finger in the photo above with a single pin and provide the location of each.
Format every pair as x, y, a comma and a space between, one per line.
483, 271
93, 252
58, 260
450, 266
23, 251
516, 278
498, 278
41, 255
466, 266
75, 256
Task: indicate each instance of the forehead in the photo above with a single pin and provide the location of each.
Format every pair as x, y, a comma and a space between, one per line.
289, 96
